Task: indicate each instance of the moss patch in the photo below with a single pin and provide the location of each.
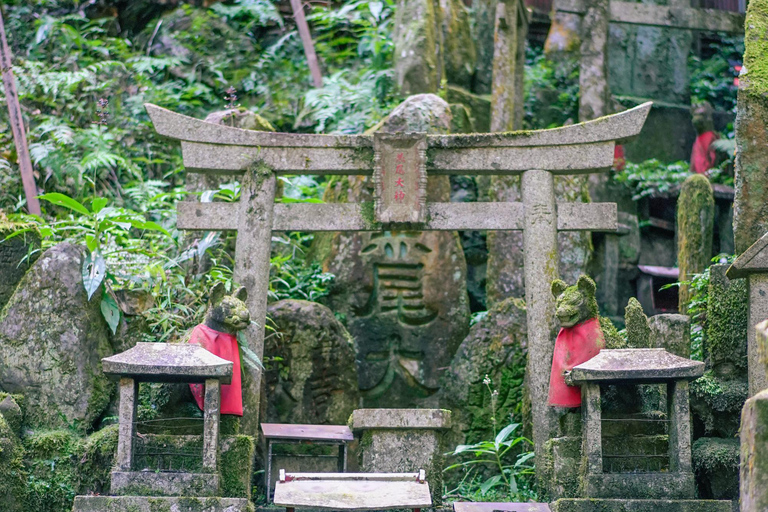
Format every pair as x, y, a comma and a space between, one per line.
695, 223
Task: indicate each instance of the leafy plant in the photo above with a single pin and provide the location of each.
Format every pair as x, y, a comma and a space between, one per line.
500, 469
651, 177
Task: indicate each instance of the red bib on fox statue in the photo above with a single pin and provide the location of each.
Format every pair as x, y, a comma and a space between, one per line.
584, 333
227, 314
574, 345
223, 345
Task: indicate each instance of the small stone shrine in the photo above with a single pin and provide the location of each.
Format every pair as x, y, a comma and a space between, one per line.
142, 491
616, 475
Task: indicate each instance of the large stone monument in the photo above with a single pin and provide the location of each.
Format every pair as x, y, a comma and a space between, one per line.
400, 166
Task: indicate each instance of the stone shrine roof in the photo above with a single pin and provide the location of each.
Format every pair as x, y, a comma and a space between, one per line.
168, 362
754, 259
636, 365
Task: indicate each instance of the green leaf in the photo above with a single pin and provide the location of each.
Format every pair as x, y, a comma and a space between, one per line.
65, 201
490, 484
94, 270
98, 203
152, 226
91, 242
502, 436
110, 310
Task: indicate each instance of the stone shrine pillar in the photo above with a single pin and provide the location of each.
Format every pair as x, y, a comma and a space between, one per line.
754, 442
403, 441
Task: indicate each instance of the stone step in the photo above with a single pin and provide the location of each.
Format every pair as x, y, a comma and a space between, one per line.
614, 505
155, 503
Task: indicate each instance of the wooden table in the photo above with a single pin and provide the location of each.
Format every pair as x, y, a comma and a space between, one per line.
280, 433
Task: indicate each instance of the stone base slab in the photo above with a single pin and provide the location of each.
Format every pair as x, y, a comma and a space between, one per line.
159, 503
164, 484
613, 505
677, 486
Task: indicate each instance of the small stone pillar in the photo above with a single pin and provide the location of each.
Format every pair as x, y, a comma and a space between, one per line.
402, 441
754, 442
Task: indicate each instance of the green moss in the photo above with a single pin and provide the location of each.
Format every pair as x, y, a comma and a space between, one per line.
237, 466
755, 78
712, 455
95, 460
638, 330
725, 344
612, 337
720, 395
695, 224
13, 475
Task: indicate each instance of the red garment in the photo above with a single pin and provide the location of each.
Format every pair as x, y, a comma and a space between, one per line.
574, 345
223, 345
703, 154
619, 162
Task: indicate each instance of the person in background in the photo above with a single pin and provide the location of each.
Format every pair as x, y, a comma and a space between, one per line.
703, 154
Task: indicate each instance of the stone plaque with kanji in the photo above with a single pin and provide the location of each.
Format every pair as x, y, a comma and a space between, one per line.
400, 176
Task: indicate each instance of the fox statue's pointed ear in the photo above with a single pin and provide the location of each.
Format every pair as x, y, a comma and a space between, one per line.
586, 285
241, 294
558, 287
217, 293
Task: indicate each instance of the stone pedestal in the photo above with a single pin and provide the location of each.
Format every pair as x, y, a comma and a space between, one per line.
593, 505
403, 441
754, 444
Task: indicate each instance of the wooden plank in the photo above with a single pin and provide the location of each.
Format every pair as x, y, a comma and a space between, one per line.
17, 123
308, 432
711, 20
331, 217
572, 159
231, 159
351, 494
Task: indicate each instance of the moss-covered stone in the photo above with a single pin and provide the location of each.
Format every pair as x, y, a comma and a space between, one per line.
52, 340
725, 344
716, 463
695, 225
236, 466
418, 67
638, 330
14, 478
716, 405
16, 254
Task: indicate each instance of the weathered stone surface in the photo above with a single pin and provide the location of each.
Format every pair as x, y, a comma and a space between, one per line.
672, 333
762, 342
10, 410
754, 454
403, 293
240, 118
716, 463
750, 207
638, 330
484, 17
52, 340
401, 419
725, 344
12, 252
150, 483
510, 32
418, 47
405, 443
624, 505
459, 55
496, 346
695, 225
168, 362
479, 106
311, 376
154, 504
14, 481
636, 364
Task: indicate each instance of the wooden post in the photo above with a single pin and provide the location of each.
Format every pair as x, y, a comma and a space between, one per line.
17, 123
306, 41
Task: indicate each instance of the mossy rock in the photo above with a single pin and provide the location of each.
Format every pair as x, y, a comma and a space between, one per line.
14, 478
716, 405
725, 343
716, 463
695, 224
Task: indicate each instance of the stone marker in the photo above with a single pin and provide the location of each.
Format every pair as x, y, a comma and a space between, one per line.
418, 53
537, 155
754, 439
403, 441
753, 265
672, 333
695, 225
315, 380
750, 206
52, 339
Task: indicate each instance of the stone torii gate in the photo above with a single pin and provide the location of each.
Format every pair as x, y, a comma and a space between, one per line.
399, 165
595, 16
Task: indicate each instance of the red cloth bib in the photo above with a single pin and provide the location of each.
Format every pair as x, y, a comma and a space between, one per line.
574, 345
225, 346
703, 154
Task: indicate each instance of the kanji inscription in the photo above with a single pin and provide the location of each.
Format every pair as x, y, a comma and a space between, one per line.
400, 176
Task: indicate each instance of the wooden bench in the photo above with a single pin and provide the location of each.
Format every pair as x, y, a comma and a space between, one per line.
282, 433
352, 491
